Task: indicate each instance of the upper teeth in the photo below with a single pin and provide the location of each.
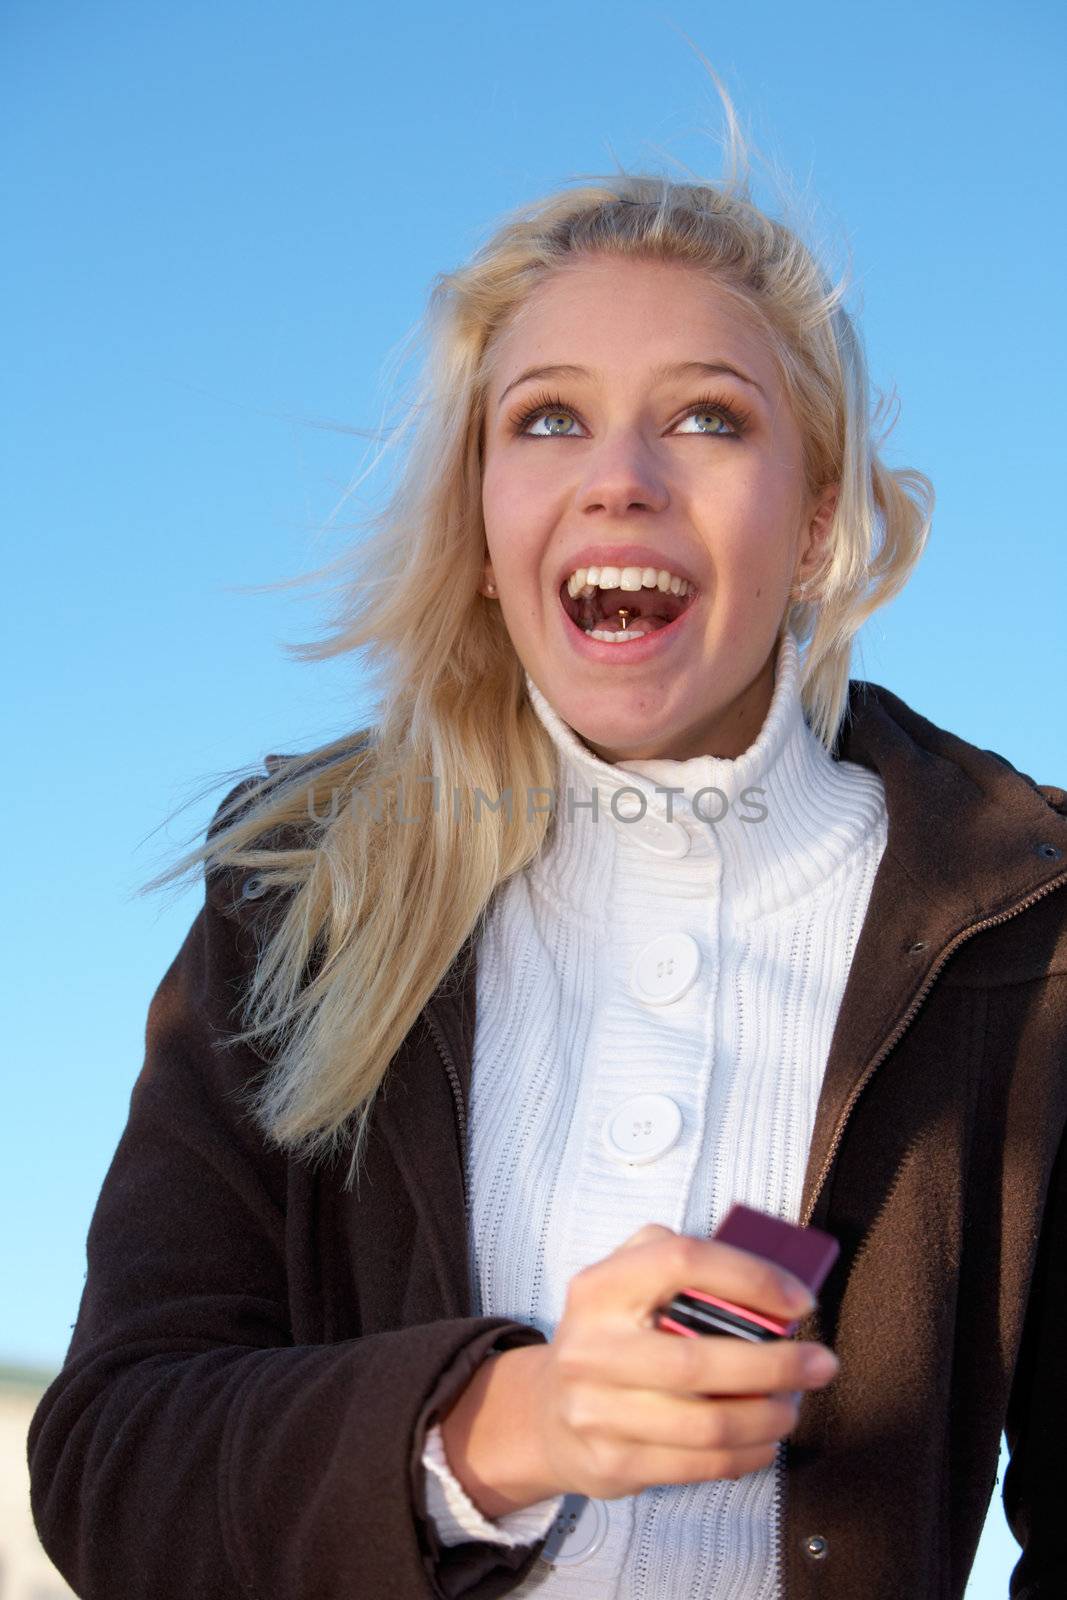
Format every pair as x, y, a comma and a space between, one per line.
587, 580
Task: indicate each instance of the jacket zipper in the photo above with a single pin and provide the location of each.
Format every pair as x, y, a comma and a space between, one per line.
903, 1024
457, 1095
835, 1143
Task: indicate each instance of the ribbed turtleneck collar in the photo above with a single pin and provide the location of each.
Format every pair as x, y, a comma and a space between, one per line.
763, 829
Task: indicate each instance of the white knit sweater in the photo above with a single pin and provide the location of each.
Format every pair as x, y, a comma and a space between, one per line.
699, 956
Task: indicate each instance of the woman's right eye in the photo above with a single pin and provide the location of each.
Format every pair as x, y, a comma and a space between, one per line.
549, 409
550, 418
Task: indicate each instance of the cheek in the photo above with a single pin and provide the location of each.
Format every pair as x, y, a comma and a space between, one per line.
753, 524
752, 553
514, 520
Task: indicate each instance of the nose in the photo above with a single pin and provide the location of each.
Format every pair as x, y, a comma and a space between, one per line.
623, 475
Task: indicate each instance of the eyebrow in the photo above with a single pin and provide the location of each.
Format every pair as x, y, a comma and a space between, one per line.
680, 369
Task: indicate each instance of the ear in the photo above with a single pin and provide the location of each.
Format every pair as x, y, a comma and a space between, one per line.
815, 547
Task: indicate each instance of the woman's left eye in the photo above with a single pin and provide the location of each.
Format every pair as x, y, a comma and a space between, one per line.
712, 415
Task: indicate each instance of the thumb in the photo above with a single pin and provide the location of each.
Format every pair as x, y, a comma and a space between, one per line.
646, 1235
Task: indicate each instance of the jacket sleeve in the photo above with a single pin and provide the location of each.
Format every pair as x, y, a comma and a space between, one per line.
1036, 1425
189, 1449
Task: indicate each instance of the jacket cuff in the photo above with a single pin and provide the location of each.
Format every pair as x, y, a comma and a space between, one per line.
483, 1567
457, 1518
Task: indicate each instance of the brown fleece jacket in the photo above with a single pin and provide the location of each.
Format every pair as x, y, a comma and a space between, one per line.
258, 1353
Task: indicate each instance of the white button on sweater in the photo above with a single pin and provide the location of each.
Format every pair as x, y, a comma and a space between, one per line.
764, 865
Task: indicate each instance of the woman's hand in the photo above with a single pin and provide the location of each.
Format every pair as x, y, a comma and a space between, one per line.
624, 1406
613, 1404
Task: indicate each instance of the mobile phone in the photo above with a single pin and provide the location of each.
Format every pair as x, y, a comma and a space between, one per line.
807, 1253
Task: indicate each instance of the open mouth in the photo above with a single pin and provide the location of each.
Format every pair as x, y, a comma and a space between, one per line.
618, 615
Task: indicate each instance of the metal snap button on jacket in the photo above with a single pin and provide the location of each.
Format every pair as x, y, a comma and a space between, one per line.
816, 1546
643, 1128
577, 1533
665, 969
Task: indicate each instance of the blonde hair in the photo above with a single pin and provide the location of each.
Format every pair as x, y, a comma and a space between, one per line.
375, 911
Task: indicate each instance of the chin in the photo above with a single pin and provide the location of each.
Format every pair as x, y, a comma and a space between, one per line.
626, 740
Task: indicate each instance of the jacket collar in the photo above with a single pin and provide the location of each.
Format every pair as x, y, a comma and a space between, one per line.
969, 839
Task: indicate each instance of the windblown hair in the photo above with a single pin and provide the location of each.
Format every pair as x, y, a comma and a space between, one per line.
374, 911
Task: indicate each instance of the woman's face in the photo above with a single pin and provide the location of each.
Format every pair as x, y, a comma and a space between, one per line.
626, 464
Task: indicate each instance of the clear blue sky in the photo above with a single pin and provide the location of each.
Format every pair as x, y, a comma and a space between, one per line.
221, 220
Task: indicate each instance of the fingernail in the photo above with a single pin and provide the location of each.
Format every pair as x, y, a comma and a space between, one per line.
822, 1364
800, 1297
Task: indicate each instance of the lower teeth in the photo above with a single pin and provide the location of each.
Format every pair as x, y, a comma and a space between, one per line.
617, 636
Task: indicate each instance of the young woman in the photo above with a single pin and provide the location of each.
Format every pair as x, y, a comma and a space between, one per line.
629, 906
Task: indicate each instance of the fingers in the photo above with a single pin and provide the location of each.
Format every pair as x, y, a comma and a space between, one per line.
630, 1405
645, 1359
655, 1264
652, 1418
645, 1235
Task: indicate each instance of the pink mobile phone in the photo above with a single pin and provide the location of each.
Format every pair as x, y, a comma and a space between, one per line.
807, 1253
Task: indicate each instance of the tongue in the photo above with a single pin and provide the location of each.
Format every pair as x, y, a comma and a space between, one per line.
647, 604
638, 626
